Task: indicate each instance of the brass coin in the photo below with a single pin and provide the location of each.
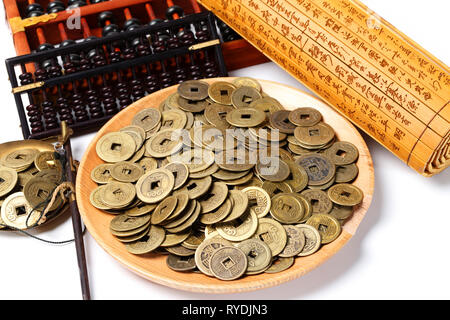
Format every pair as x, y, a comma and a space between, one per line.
134, 237
197, 187
101, 174
267, 134
319, 200
247, 82
272, 169
19, 160
320, 169
96, 198
193, 90
342, 153
267, 104
38, 191
126, 235
345, 194
299, 150
286, 208
220, 92
258, 200
280, 120
164, 210
180, 263
328, 227
273, 234
118, 195
147, 119
207, 172
183, 212
258, 255
218, 214
229, 175
195, 159
239, 229
345, 174
25, 176
341, 212
192, 105
192, 218
235, 160
8, 180
245, 117
126, 171
253, 182
123, 222
273, 188
17, 213
115, 147
194, 240
173, 119
155, 185
317, 135
148, 243
228, 263
205, 250
306, 206
140, 209
239, 181
305, 117
138, 135
295, 241
280, 264
164, 143
173, 239
214, 198
216, 115
313, 240
149, 134
240, 205
210, 137
180, 171
243, 96
148, 164
172, 102
47, 160
324, 186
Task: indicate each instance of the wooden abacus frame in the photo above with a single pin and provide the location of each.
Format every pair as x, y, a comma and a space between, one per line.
237, 53
26, 62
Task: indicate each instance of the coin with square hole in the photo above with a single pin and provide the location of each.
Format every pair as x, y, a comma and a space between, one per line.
346, 194
243, 96
328, 227
155, 185
319, 200
193, 90
246, 117
115, 146
147, 119
305, 117
319, 168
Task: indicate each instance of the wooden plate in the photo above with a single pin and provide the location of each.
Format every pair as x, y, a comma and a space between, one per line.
153, 267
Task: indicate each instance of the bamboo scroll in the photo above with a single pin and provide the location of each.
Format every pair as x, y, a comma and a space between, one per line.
367, 70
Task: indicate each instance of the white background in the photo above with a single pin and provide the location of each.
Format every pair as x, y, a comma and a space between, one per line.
401, 249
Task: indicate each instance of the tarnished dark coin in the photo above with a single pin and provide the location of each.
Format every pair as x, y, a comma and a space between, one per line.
295, 241
346, 194
181, 263
280, 120
243, 96
320, 169
319, 200
228, 263
342, 153
305, 117
193, 90
38, 192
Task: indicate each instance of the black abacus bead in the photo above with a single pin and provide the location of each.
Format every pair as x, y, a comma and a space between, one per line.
104, 17
133, 22
34, 10
171, 11
110, 29
76, 4
55, 6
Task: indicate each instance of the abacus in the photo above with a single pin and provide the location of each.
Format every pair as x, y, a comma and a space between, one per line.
86, 75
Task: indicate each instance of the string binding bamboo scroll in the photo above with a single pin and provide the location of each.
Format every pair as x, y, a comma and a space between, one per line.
361, 65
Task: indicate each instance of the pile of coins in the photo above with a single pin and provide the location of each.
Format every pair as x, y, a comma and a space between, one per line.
226, 181
28, 178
